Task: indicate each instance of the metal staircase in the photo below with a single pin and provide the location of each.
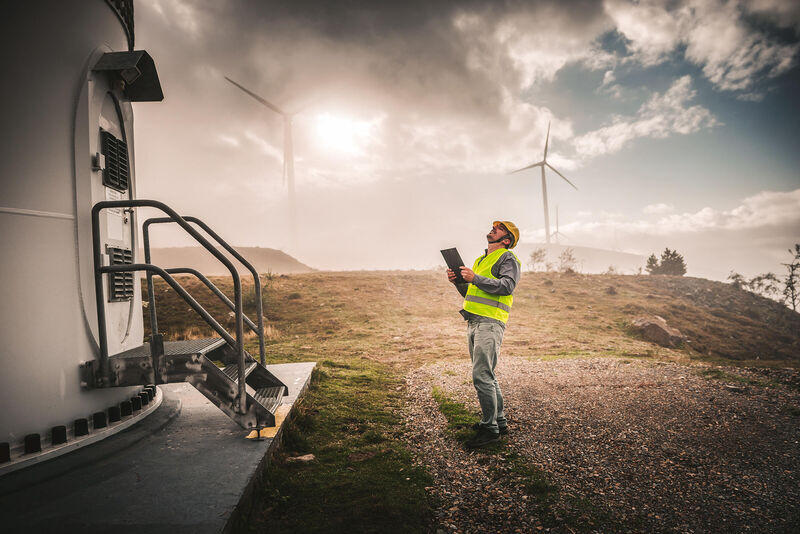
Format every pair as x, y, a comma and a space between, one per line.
242, 388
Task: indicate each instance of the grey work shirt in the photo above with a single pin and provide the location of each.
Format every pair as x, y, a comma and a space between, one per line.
506, 271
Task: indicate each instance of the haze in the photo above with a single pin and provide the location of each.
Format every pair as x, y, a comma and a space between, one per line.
676, 120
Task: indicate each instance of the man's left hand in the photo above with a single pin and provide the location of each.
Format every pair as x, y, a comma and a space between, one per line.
467, 274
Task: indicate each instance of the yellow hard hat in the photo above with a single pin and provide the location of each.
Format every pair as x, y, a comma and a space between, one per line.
512, 229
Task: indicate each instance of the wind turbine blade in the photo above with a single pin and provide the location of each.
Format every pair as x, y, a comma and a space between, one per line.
547, 141
273, 107
285, 169
528, 167
561, 175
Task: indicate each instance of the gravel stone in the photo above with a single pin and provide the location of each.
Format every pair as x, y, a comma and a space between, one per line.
653, 445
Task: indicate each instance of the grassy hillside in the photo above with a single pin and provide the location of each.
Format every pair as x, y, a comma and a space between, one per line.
409, 317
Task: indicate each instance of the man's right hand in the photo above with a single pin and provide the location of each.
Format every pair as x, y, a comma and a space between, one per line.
451, 276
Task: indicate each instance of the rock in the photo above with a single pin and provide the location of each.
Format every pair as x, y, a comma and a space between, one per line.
301, 459
654, 328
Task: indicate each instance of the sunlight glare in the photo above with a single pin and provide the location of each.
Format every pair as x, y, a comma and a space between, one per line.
344, 135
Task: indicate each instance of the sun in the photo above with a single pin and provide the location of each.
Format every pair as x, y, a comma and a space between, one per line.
344, 135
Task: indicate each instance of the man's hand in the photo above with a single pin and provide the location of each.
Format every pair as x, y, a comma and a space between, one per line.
451, 275
467, 274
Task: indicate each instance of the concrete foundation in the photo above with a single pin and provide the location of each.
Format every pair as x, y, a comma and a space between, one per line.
186, 468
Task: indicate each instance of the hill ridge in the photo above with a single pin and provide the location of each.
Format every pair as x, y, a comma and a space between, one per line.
263, 260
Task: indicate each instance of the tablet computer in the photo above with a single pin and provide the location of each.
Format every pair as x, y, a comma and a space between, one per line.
454, 262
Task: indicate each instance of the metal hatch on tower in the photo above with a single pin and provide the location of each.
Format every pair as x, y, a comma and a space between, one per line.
104, 129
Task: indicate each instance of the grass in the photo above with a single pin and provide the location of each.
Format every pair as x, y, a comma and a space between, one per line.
714, 373
459, 422
459, 418
363, 478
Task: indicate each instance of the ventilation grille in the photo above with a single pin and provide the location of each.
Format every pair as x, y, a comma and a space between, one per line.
117, 172
120, 285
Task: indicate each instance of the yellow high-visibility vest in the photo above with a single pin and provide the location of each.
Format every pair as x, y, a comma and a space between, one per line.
485, 304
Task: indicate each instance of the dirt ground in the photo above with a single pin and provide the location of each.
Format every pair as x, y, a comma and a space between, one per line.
647, 445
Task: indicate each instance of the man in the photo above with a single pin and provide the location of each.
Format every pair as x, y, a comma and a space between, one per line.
487, 302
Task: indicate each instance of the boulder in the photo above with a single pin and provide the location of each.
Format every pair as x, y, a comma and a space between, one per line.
654, 328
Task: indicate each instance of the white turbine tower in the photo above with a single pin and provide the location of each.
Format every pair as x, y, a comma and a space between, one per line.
288, 155
544, 164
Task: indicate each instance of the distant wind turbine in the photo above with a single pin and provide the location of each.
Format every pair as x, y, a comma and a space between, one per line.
557, 233
288, 155
544, 164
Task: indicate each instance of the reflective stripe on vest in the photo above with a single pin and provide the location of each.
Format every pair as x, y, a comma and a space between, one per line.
485, 304
488, 302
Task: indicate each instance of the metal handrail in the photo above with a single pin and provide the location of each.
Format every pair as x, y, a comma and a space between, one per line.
214, 289
235, 254
99, 269
174, 284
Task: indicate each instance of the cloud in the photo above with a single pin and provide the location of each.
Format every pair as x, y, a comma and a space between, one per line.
732, 55
228, 140
659, 117
657, 209
784, 13
456, 81
751, 237
651, 30
539, 38
767, 209
264, 146
714, 34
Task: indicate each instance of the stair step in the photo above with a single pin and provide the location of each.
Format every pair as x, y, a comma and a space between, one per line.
269, 397
174, 348
232, 371
192, 346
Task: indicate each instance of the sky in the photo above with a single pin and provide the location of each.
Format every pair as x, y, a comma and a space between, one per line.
677, 121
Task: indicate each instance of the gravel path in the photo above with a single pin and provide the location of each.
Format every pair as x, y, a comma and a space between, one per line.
636, 445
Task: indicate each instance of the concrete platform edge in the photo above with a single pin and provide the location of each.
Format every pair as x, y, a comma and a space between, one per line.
257, 479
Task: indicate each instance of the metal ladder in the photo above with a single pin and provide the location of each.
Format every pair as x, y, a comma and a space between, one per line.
243, 389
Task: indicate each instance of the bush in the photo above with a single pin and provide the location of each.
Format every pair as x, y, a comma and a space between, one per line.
567, 261
538, 257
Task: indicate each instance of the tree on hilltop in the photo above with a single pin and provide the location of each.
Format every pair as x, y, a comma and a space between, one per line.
652, 266
767, 284
792, 280
671, 263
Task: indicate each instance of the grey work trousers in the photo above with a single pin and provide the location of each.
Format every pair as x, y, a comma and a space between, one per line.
484, 339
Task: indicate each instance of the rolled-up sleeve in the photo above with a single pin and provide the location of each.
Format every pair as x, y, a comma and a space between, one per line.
506, 271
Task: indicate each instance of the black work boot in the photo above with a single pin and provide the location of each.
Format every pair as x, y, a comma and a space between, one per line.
503, 429
482, 437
